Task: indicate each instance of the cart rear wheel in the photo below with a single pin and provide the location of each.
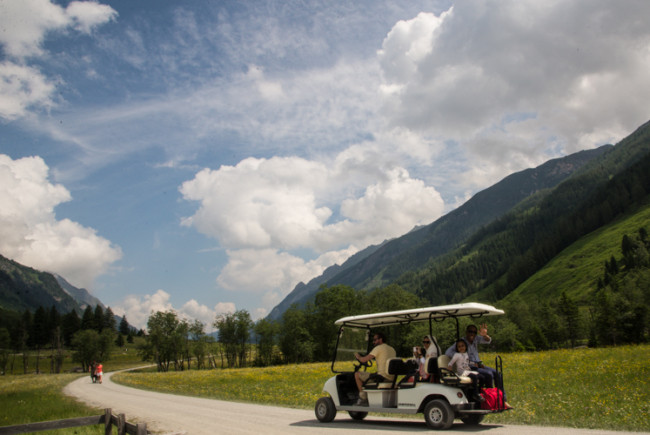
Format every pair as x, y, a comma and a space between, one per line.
438, 414
358, 415
325, 409
473, 419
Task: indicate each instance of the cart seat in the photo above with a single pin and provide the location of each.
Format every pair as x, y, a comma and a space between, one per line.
447, 376
372, 384
407, 369
394, 367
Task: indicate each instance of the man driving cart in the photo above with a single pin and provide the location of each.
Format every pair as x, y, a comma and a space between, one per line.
381, 353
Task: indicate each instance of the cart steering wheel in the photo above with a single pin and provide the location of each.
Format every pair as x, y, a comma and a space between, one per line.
366, 364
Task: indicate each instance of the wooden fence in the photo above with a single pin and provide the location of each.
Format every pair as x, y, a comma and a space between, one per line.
107, 419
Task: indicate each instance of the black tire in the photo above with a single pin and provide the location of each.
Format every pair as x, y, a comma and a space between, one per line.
325, 409
473, 419
438, 414
358, 415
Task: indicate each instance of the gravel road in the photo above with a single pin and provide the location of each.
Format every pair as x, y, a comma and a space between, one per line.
171, 414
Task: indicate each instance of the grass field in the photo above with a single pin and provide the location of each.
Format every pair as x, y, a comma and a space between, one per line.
607, 388
34, 398
39, 397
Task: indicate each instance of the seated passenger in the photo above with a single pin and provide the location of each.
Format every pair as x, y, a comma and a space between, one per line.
461, 362
381, 353
429, 350
472, 340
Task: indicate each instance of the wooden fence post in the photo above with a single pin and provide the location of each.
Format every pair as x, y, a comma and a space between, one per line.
121, 424
141, 429
108, 424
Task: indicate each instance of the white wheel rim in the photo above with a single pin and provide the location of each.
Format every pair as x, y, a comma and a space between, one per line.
435, 415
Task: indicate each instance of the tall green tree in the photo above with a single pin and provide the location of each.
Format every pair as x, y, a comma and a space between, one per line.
199, 343
22, 338
164, 342
124, 326
234, 334
330, 304
266, 332
570, 313
88, 319
55, 340
70, 323
296, 343
108, 322
39, 334
90, 345
98, 318
5, 349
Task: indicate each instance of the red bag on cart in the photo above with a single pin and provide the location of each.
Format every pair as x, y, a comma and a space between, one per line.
494, 399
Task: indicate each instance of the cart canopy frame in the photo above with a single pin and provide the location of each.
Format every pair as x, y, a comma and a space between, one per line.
472, 309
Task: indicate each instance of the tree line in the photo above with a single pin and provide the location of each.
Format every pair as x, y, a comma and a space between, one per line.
89, 337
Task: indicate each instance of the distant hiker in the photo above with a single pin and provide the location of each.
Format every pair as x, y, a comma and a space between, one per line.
100, 373
93, 371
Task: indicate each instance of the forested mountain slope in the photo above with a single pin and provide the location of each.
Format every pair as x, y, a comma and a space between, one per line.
379, 265
505, 253
23, 288
580, 269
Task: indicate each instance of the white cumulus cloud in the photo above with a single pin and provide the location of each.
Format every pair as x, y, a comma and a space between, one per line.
31, 234
265, 210
138, 308
512, 83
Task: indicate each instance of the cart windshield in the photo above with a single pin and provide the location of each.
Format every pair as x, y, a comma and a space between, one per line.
351, 341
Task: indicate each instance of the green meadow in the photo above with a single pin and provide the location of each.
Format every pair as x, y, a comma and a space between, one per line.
605, 388
34, 398
39, 397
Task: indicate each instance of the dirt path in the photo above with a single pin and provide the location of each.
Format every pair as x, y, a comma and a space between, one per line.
171, 414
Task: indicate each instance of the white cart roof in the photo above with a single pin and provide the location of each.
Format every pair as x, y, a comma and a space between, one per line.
420, 314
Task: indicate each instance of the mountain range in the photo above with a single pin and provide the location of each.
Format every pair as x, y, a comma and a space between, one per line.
439, 261
24, 288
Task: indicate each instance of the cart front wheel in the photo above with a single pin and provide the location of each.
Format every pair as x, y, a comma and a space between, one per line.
325, 409
438, 414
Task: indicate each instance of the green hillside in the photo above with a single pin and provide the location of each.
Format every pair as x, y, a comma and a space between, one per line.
576, 269
23, 288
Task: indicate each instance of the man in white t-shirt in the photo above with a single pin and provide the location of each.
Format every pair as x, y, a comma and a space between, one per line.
381, 353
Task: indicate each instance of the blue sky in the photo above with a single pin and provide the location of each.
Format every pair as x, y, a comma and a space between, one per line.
207, 156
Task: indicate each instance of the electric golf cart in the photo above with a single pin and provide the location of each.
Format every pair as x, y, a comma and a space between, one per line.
442, 397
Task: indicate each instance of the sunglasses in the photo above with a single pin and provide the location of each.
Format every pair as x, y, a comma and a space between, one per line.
471, 332
426, 341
